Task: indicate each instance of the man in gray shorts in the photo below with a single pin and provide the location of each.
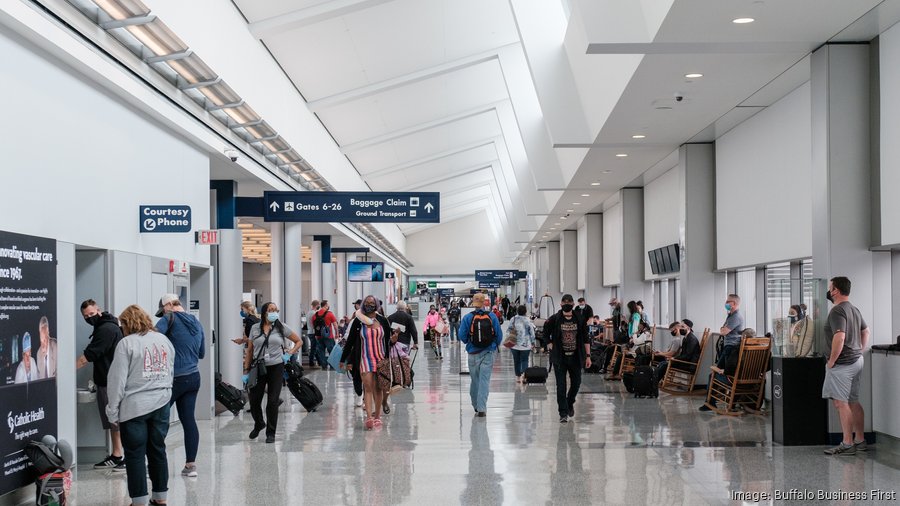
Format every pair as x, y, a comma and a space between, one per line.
848, 335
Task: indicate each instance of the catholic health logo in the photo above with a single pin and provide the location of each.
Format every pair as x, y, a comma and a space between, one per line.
25, 418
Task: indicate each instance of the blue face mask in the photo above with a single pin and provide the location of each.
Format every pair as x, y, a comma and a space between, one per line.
243, 314
728, 307
272, 317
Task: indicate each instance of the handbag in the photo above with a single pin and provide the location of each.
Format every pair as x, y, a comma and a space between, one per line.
512, 336
400, 370
258, 366
384, 374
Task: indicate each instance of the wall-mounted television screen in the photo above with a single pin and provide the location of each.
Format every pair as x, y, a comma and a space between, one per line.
665, 264
674, 257
365, 271
654, 263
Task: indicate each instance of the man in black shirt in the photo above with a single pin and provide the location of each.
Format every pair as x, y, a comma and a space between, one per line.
409, 334
100, 352
453, 317
569, 347
689, 351
584, 311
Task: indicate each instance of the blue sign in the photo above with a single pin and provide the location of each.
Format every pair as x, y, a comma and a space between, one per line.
159, 219
446, 293
496, 276
353, 207
488, 284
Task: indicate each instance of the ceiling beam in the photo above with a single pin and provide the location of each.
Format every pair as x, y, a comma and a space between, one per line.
309, 16
425, 226
448, 176
700, 47
431, 158
422, 127
412, 77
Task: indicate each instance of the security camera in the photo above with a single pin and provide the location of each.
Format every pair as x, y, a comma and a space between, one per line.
231, 154
679, 97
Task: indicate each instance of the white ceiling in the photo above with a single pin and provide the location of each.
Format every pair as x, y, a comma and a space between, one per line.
440, 95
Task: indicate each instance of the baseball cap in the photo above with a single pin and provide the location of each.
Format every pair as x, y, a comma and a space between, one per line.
165, 299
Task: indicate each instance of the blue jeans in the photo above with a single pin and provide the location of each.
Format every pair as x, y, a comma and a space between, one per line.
454, 331
326, 344
313, 355
520, 360
143, 438
184, 397
480, 367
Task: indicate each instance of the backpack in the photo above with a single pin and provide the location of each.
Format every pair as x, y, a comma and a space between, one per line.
321, 329
481, 332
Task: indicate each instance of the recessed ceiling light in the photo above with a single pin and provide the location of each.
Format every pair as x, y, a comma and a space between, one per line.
570, 210
693, 76
742, 21
585, 195
621, 155
576, 203
640, 136
595, 184
564, 218
557, 224
552, 228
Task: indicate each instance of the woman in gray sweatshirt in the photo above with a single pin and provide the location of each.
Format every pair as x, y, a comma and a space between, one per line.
139, 389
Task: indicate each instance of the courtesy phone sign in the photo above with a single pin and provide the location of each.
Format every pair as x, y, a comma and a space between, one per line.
28, 351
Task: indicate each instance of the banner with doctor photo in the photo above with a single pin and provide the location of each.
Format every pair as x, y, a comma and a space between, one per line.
28, 351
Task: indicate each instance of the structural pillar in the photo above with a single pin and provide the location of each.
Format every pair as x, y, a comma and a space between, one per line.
568, 262
591, 265
326, 267
341, 281
292, 305
315, 271
228, 262
633, 286
277, 265
841, 191
553, 268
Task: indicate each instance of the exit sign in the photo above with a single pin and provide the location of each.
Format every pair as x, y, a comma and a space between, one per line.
207, 237
432, 284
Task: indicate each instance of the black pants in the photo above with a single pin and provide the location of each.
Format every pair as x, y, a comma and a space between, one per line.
357, 380
570, 364
272, 381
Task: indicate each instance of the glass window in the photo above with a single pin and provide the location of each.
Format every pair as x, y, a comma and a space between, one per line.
778, 302
745, 285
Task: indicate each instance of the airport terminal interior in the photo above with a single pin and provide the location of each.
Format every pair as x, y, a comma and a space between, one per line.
476, 252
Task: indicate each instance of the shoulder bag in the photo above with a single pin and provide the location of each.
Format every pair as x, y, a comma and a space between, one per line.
258, 365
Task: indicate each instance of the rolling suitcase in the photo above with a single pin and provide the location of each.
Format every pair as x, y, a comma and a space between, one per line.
229, 396
535, 374
645, 382
628, 381
304, 390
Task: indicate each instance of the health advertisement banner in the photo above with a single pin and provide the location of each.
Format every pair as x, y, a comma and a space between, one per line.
28, 352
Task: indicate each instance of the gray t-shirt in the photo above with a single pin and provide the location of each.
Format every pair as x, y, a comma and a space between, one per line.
846, 317
735, 322
278, 343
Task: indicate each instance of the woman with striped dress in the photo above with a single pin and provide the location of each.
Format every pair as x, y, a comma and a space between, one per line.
368, 342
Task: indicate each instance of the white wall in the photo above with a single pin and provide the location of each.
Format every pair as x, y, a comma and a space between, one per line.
763, 188
612, 245
457, 247
889, 55
582, 249
662, 216
78, 163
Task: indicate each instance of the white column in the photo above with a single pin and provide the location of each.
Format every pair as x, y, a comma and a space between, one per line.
841, 175
341, 282
292, 305
568, 262
633, 286
553, 266
277, 265
315, 269
595, 293
229, 269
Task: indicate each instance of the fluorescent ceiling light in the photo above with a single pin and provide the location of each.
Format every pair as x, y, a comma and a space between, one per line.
123, 9
576, 203
638, 136
595, 184
742, 21
693, 76
158, 38
570, 210
585, 195
621, 155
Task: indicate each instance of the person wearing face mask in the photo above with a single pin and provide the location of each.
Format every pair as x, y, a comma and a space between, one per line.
431, 333
251, 318
847, 334
584, 311
569, 353
802, 331
731, 329
268, 341
688, 350
100, 352
368, 343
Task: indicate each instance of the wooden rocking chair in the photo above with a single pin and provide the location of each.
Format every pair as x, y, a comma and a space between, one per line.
681, 375
745, 388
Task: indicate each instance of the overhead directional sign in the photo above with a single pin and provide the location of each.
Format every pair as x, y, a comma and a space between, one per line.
353, 207
496, 276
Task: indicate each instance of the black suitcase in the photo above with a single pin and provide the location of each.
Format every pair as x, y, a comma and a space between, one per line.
535, 374
645, 382
628, 381
302, 388
229, 396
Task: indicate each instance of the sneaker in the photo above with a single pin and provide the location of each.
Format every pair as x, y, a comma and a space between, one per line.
841, 449
571, 411
189, 471
564, 419
359, 401
270, 439
120, 468
256, 430
861, 446
109, 462
481, 414
705, 408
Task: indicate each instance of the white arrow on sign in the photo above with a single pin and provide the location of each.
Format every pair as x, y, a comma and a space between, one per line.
274, 206
429, 207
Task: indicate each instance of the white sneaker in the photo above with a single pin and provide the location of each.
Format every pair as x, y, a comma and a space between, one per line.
359, 400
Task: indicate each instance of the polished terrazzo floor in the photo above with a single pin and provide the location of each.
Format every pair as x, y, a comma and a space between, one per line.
432, 451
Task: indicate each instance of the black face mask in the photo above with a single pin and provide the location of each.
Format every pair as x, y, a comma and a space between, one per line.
567, 308
369, 308
682, 332
92, 320
673, 334
829, 297
792, 318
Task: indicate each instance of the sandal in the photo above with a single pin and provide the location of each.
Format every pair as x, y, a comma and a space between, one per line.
378, 422
386, 409
370, 423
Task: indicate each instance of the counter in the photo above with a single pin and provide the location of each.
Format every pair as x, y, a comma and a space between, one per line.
885, 395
